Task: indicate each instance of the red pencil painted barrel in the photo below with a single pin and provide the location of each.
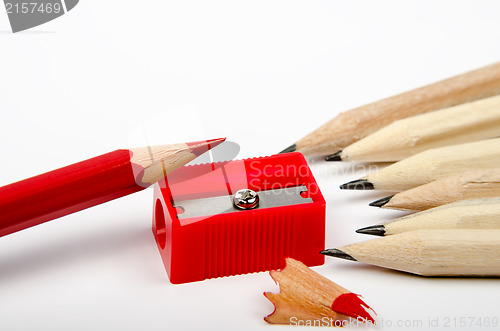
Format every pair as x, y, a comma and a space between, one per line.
66, 190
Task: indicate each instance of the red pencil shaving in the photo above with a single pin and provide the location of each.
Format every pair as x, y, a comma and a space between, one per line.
307, 298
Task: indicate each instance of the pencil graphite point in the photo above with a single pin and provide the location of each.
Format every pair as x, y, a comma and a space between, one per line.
381, 202
358, 184
200, 147
337, 253
334, 157
375, 230
289, 149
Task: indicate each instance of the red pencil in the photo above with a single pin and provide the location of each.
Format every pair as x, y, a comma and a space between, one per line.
91, 182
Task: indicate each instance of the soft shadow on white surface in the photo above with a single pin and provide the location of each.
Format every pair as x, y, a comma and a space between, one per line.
44, 257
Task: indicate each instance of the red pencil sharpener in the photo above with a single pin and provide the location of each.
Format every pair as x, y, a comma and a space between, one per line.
237, 217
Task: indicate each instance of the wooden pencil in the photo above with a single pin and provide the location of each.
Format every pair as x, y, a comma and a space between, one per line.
352, 125
85, 184
472, 184
456, 252
431, 165
460, 124
465, 214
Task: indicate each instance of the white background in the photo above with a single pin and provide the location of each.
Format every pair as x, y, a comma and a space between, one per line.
262, 73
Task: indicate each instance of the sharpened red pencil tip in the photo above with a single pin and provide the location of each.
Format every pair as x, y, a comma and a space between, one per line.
200, 147
351, 305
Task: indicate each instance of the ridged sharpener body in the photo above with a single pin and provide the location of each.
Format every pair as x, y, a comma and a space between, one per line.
200, 233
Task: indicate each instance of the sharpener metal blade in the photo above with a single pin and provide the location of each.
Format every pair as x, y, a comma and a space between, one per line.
224, 204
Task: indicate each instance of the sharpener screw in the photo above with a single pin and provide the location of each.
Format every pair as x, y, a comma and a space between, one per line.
246, 199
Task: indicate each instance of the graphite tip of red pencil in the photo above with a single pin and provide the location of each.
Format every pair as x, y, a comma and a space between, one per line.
200, 147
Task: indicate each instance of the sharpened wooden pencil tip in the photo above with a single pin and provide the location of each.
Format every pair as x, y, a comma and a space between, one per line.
334, 157
358, 184
200, 147
375, 230
381, 202
337, 253
289, 149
